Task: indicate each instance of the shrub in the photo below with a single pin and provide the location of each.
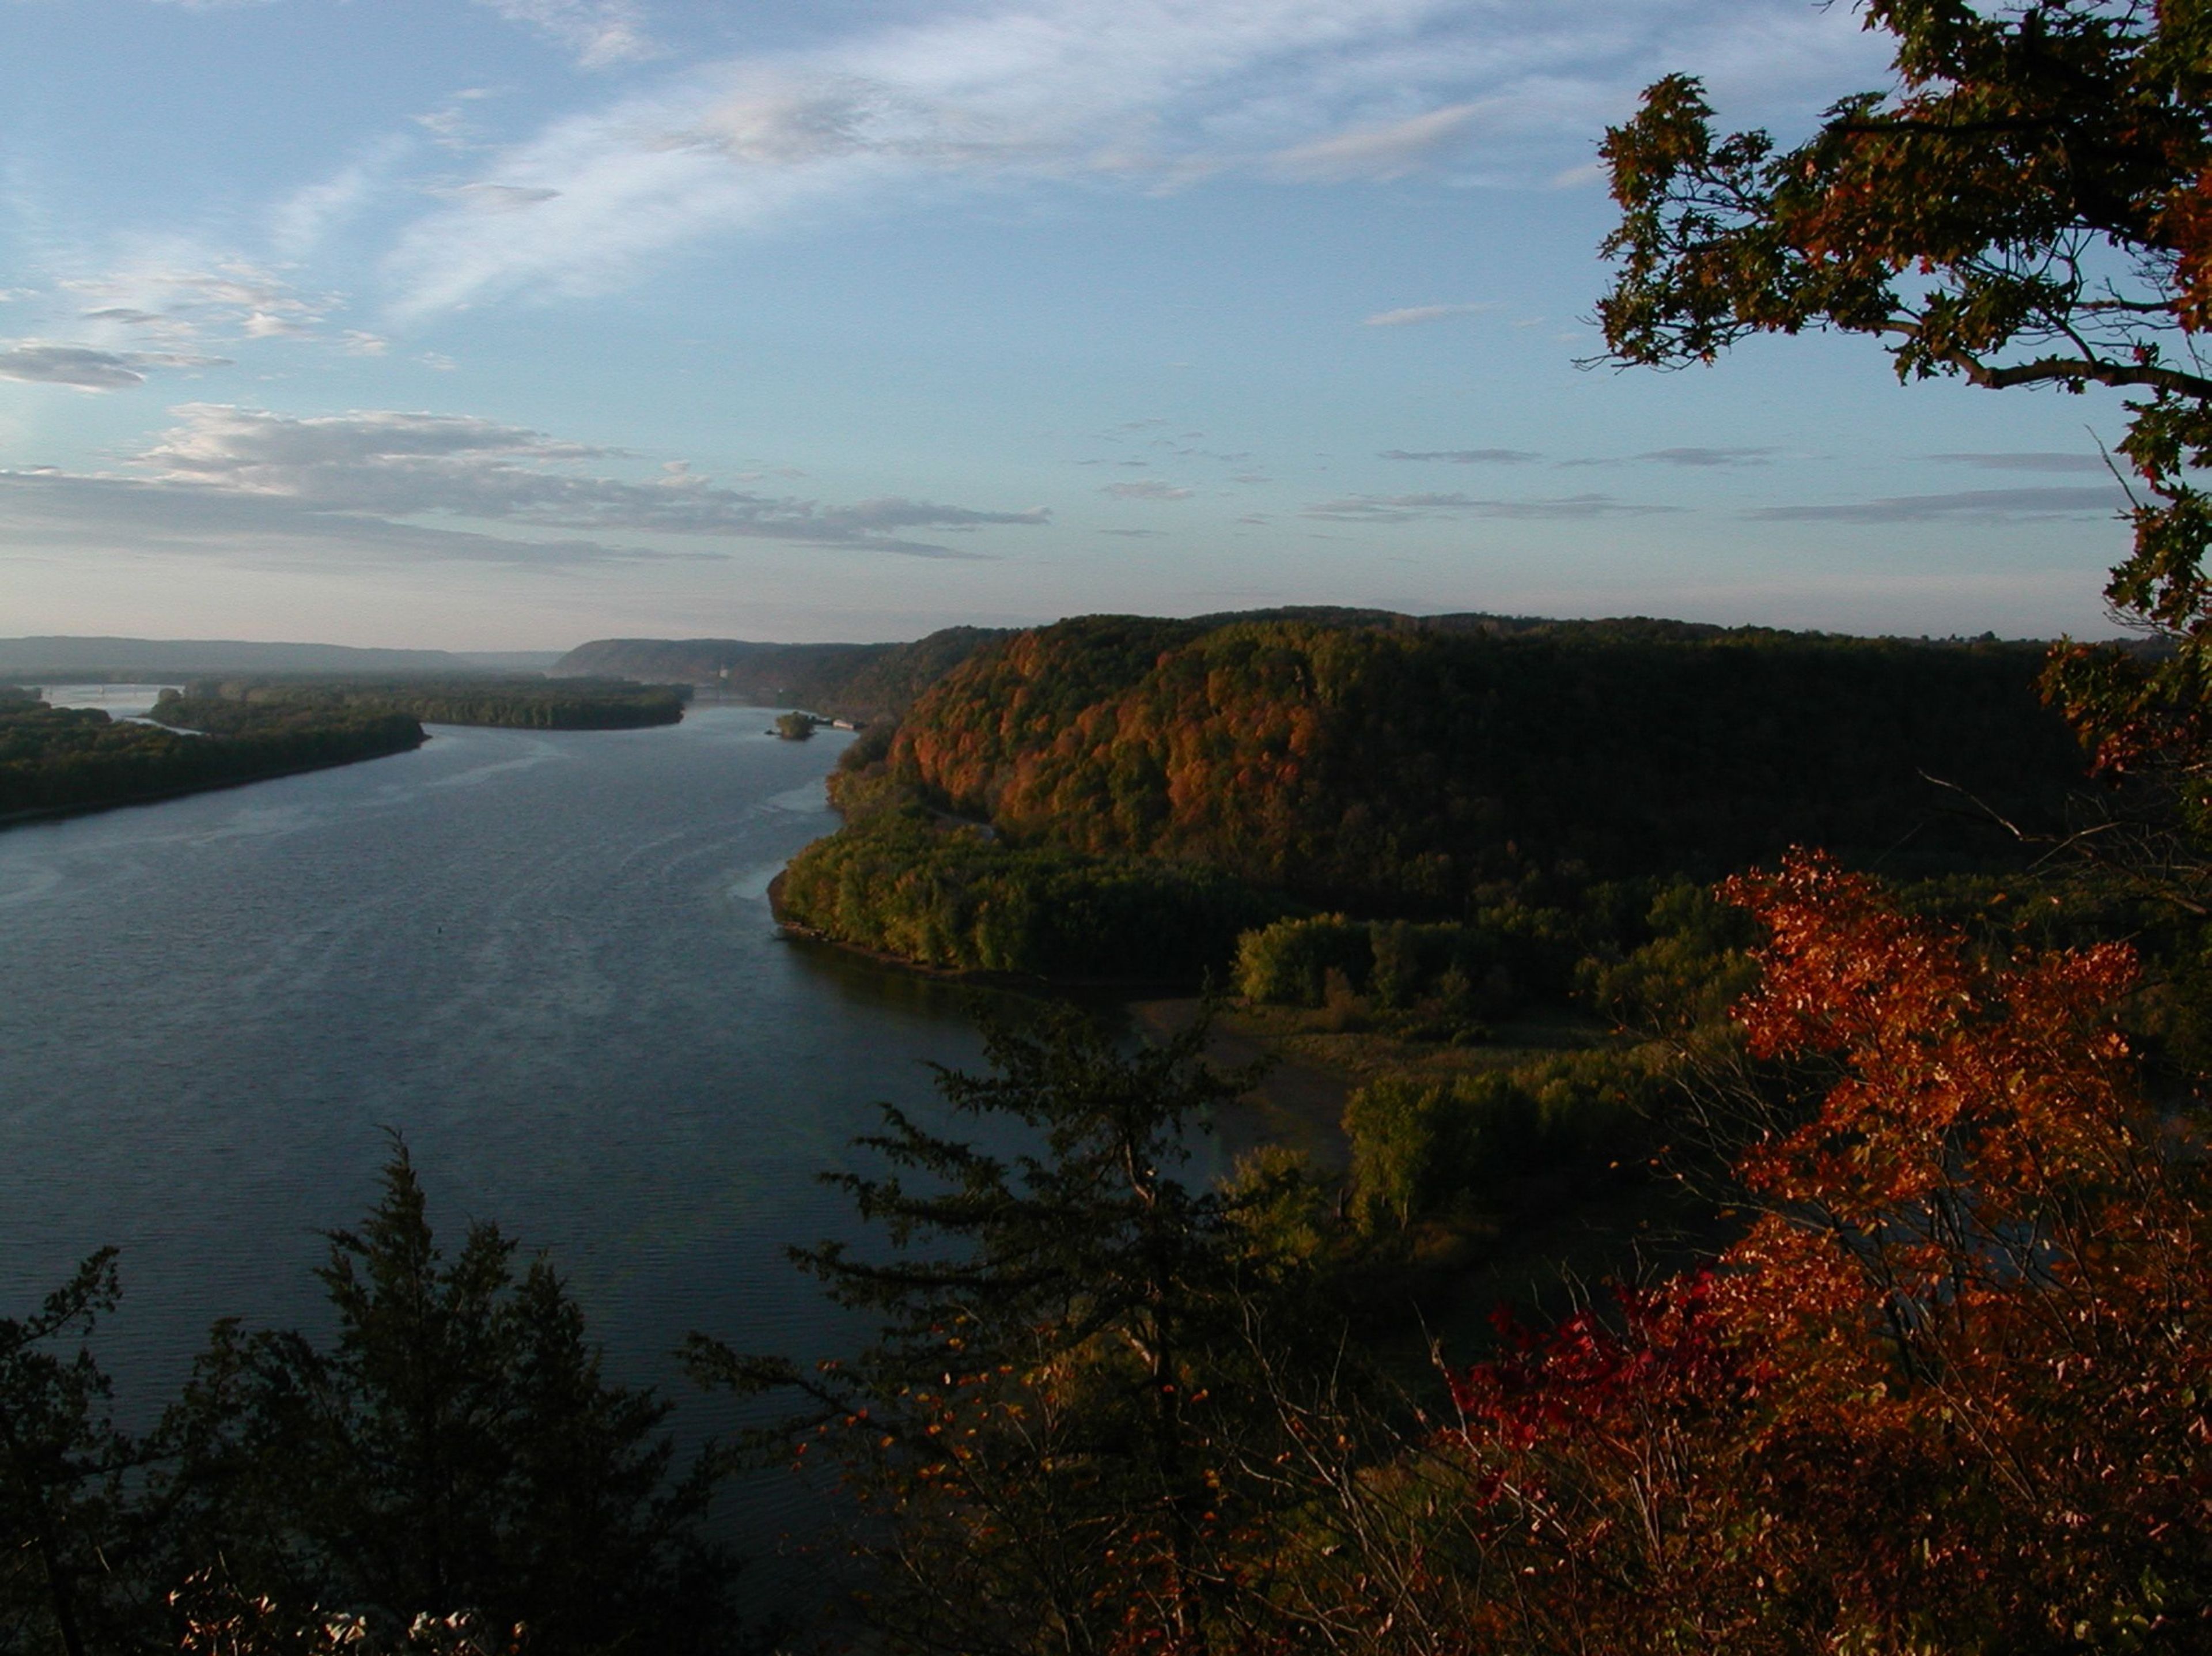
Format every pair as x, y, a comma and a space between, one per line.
1422, 1146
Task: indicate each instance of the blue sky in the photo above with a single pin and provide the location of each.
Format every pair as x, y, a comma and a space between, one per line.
504, 324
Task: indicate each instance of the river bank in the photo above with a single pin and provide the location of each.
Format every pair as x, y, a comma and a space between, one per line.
1296, 1103
58, 761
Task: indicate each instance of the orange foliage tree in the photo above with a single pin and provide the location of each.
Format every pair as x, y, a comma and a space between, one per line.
1949, 1391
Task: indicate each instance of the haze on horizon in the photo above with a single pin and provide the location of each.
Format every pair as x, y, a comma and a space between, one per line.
503, 324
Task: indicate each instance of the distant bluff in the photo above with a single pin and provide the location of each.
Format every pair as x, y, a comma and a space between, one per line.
872, 683
867, 683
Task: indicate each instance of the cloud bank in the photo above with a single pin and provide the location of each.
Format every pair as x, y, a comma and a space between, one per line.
1414, 509
1996, 505
372, 477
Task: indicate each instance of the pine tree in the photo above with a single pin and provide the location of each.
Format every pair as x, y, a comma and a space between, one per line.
1047, 1433
456, 1447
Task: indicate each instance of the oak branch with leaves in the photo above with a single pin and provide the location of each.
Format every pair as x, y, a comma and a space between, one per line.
2031, 205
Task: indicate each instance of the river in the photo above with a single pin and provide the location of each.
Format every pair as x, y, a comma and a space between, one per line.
546, 958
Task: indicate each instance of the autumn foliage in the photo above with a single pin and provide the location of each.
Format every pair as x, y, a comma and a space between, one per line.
1949, 1390
1401, 768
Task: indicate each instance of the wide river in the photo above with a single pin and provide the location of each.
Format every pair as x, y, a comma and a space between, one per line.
545, 958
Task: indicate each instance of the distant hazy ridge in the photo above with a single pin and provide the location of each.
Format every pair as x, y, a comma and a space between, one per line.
131, 661
864, 682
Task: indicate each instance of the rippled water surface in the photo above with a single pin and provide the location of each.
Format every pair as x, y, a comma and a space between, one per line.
546, 958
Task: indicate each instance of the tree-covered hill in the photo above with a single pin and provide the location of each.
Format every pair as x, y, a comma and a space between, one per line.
869, 684
752, 668
1397, 768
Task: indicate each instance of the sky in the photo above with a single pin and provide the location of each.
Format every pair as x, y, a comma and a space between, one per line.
507, 324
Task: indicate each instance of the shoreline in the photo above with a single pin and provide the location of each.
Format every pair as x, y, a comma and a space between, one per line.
1296, 1104
1019, 982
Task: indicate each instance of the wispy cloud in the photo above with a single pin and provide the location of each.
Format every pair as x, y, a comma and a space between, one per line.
1464, 456
301, 222
1146, 488
1383, 152
180, 301
84, 368
499, 197
1708, 457
1694, 457
2038, 460
1413, 508
1413, 315
1155, 94
2000, 505
600, 33
107, 515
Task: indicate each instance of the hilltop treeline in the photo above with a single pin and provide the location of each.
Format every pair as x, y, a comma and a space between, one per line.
869, 684
526, 703
1399, 771
79, 758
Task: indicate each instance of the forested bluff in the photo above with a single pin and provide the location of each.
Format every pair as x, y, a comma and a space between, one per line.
531, 704
1180, 782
